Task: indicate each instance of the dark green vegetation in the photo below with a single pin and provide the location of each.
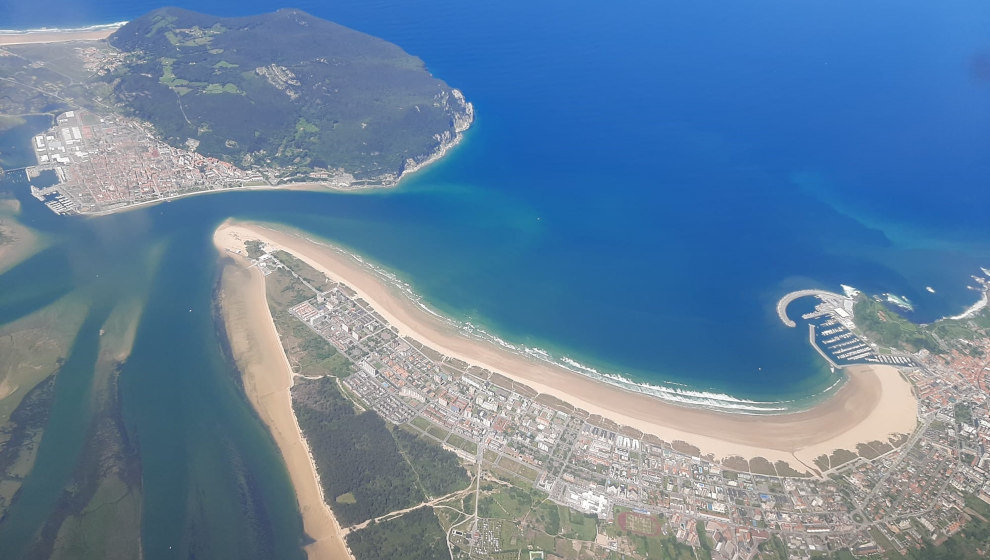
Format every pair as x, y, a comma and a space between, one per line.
21, 435
890, 329
368, 468
417, 535
774, 549
648, 545
309, 353
958, 334
963, 413
972, 543
364, 471
438, 470
285, 89
705, 550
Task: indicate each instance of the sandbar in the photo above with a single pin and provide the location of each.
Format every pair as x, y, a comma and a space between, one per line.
874, 404
267, 378
17, 241
55, 36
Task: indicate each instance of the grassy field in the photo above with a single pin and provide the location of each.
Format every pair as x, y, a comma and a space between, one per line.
309, 353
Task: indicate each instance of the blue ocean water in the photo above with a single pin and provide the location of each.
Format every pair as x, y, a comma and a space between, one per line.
645, 179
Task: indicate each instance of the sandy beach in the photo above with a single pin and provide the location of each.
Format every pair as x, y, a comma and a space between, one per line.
267, 379
874, 404
55, 36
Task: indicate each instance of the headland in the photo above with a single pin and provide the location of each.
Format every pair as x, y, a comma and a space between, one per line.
874, 404
299, 114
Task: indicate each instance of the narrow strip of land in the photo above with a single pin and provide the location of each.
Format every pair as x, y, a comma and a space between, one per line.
874, 403
267, 378
55, 36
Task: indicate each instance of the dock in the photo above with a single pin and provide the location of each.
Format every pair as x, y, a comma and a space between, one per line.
787, 299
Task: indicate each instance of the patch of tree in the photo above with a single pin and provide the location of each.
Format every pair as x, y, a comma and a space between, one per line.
972, 543
354, 453
417, 535
26, 423
320, 95
319, 357
890, 329
963, 413
315, 278
439, 470
706, 543
254, 248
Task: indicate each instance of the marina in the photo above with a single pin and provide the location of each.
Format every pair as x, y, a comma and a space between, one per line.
832, 331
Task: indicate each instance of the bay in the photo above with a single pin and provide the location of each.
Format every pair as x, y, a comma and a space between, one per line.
643, 182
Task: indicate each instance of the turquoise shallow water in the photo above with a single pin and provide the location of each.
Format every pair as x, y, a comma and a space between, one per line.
643, 182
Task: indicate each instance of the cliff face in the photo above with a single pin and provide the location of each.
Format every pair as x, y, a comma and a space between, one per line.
287, 91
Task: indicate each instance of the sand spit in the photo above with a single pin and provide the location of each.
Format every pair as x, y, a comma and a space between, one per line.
55, 36
873, 405
267, 379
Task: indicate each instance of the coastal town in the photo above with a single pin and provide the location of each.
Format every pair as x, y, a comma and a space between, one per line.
312, 405
106, 163
99, 156
881, 496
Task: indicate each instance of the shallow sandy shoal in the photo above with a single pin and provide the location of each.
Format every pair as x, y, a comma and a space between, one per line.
874, 404
22, 242
267, 379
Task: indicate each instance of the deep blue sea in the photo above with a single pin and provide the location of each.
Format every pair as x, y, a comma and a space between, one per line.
646, 178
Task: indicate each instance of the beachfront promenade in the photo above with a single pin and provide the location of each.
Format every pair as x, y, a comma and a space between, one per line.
787, 299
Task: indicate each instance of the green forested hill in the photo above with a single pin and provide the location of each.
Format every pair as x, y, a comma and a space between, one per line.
284, 89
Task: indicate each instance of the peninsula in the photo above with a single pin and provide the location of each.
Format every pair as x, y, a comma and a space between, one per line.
177, 103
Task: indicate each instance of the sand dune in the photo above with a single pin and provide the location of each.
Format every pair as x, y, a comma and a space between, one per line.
874, 403
267, 379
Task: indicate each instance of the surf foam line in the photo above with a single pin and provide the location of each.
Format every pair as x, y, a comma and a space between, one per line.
96, 27
671, 393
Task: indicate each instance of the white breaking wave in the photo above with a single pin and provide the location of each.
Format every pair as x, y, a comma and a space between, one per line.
669, 392
97, 27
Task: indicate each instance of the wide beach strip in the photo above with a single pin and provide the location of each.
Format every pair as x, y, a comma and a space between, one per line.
57, 36
267, 379
875, 403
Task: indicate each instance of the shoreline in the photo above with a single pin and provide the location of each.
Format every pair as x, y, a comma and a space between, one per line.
268, 378
874, 404
972, 310
9, 37
306, 186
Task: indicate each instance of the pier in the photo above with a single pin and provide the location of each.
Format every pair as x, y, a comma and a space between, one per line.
811, 339
787, 299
